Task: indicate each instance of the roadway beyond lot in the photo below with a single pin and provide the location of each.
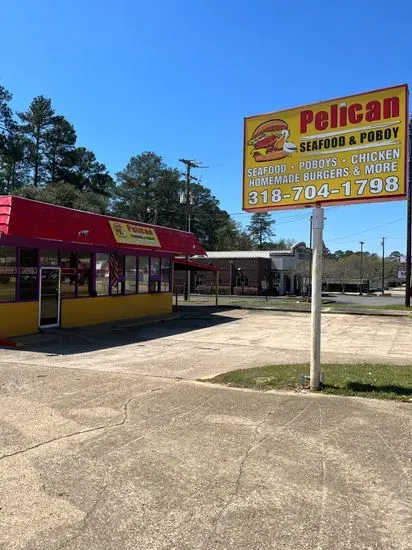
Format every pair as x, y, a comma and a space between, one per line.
104, 446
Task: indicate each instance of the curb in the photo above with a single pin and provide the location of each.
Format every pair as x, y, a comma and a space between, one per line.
370, 312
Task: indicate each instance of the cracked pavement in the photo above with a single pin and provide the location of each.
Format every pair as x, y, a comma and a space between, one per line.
92, 459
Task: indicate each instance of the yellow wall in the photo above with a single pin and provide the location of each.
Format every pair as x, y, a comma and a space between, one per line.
22, 317
18, 318
90, 311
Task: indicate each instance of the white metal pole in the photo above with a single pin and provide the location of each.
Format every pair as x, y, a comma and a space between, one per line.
316, 306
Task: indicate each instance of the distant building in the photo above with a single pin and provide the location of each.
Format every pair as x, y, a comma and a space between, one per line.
252, 272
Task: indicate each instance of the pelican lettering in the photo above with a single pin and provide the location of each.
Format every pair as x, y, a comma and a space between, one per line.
342, 114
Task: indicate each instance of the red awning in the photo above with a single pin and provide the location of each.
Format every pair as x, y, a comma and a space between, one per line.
188, 265
24, 222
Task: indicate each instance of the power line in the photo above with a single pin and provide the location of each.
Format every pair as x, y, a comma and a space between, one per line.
366, 230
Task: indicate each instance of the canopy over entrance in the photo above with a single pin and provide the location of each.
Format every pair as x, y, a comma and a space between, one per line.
188, 265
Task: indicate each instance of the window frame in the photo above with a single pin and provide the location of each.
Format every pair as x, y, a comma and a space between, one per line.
16, 274
136, 278
37, 267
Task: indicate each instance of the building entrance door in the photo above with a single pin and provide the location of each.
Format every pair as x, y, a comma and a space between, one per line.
49, 297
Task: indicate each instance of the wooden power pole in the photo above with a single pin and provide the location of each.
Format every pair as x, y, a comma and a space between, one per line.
189, 165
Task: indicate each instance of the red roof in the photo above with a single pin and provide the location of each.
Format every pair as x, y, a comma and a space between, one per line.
27, 219
180, 264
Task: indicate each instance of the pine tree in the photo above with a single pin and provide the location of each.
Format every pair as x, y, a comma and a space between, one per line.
260, 229
37, 121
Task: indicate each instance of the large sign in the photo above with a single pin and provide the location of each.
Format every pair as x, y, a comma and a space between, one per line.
344, 150
130, 233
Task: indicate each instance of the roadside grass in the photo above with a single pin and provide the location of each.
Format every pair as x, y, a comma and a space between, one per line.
364, 306
364, 380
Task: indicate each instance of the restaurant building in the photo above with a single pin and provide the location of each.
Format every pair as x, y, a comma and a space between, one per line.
252, 272
64, 267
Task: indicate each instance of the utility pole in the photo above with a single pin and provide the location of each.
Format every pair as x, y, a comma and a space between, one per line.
189, 165
383, 266
311, 258
409, 225
361, 266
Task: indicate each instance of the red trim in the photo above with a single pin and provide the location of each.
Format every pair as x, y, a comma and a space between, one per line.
197, 265
7, 342
57, 226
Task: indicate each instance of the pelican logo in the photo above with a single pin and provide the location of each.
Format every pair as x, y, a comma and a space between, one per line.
270, 141
118, 229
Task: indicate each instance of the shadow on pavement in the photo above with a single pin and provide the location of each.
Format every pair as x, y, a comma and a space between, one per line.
121, 333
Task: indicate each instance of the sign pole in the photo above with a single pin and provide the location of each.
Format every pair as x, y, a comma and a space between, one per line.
316, 306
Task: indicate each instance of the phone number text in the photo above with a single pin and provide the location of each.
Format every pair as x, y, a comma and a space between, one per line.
374, 186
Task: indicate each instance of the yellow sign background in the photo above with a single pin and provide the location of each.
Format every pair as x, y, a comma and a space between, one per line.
348, 150
129, 233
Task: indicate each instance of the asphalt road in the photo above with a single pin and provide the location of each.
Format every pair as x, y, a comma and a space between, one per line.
108, 442
396, 298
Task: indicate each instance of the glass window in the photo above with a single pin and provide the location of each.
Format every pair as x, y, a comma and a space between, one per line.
154, 268
28, 274
8, 273
102, 274
143, 274
154, 275
130, 275
68, 274
84, 275
116, 274
165, 275
49, 258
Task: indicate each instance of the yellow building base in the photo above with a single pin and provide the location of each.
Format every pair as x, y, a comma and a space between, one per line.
20, 318
91, 311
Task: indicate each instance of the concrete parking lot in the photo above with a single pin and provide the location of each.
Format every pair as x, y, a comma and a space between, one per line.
108, 442
204, 343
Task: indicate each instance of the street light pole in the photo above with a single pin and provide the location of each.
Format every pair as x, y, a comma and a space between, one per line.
361, 266
383, 266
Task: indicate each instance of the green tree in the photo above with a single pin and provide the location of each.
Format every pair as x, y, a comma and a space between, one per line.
37, 121
148, 191
6, 115
283, 244
59, 142
260, 229
207, 217
395, 257
82, 170
65, 194
230, 235
13, 169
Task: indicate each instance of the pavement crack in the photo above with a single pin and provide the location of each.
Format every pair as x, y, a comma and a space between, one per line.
125, 409
255, 441
84, 520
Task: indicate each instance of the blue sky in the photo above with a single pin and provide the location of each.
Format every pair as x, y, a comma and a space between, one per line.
178, 77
